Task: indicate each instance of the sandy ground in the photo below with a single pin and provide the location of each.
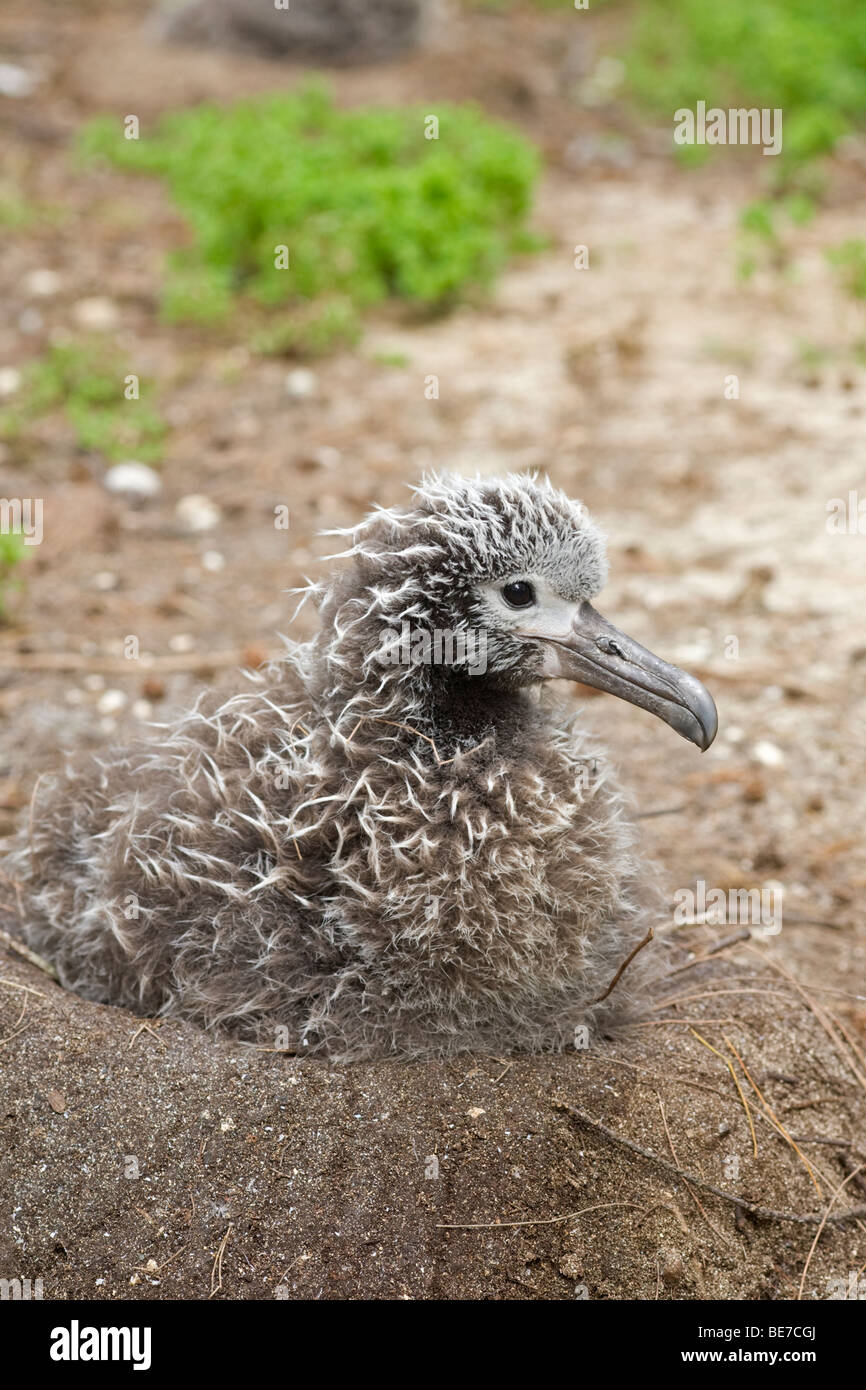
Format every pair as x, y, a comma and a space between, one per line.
156, 1164
612, 380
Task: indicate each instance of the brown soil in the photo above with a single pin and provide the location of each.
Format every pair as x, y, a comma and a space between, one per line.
133, 1153
612, 380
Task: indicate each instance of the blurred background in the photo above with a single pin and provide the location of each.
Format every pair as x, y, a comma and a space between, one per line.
261, 269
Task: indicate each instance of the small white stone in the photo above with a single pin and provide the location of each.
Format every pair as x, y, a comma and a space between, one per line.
97, 313
196, 512
31, 322
733, 733
693, 653
142, 709
107, 726
111, 702
247, 427
181, 642
42, 282
135, 481
10, 380
326, 456
213, 561
768, 754
300, 383
16, 81
94, 681
104, 581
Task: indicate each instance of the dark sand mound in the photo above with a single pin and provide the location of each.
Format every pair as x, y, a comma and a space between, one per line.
263, 1176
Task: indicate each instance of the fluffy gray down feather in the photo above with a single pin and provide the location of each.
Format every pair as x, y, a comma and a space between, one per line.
357, 858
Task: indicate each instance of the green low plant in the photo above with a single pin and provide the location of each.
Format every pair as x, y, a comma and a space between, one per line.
12, 552
80, 380
367, 207
804, 58
849, 260
807, 59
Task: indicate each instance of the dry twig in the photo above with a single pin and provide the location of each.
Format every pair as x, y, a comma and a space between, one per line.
760, 1213
738, 1086
824, 1219
25, 952
533, 1221
625, 965
216, 1274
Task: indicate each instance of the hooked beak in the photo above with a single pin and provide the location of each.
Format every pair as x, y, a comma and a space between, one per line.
596, 653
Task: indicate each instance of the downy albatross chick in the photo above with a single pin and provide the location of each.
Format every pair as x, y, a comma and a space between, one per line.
312, 31
387, 845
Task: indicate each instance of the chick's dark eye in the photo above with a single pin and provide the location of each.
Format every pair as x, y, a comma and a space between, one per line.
520, 594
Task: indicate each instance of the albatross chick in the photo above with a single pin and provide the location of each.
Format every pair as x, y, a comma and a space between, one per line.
380, 847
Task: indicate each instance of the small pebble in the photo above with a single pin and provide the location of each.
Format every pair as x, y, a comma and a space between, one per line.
16, 81
134, 481
300, 383
142, 709
768, 754
111, 702
327, 457
213, 561
31, 322
196, 512
42, 282
10, 380
672, 1266
97, 314
105, 580
181, 642
247, 427
94, 681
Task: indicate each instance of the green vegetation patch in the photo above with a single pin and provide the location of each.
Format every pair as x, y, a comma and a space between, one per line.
13, 551
366, 206
849, 260
83, 382
807, 58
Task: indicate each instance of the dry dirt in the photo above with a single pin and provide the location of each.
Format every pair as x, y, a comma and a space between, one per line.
613, 381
